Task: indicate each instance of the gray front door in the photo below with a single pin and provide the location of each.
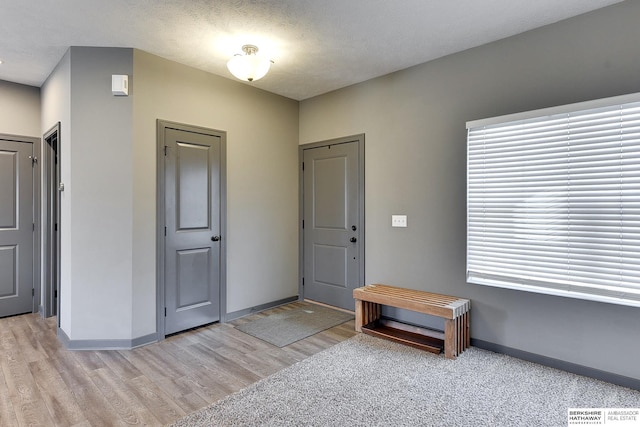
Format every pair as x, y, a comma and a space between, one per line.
192, 219
332, 231
16, 228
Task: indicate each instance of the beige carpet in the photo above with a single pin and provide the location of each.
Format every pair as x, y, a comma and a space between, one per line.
366, 381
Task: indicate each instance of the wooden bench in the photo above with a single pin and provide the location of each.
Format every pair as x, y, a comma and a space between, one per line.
454, 310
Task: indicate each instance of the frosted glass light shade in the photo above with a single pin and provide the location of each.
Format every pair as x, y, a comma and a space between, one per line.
249, 67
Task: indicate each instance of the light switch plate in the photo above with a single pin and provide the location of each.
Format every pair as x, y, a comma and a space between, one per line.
398, 220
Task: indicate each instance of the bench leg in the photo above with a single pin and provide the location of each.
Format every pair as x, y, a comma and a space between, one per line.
359, 315
450, 338
456, 336
366, 312
467, 332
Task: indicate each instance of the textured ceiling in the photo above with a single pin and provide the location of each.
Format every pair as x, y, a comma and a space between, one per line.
317, 45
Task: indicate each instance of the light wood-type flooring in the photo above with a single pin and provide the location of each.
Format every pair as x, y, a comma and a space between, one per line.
43, 384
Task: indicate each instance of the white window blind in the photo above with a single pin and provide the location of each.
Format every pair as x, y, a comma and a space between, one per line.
553, 201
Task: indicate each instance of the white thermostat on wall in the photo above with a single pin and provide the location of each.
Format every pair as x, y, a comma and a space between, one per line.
120, 84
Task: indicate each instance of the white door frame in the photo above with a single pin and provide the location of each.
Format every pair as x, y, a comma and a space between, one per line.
160, 218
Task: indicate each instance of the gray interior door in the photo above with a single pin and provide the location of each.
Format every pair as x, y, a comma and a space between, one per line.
332, 225
192, 219
16, 228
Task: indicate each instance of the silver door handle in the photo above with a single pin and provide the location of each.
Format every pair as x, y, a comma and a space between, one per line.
215, 238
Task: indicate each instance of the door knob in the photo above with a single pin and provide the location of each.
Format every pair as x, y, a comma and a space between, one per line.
215, 238
353, 240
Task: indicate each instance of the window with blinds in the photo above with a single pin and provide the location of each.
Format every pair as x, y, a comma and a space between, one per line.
553, 201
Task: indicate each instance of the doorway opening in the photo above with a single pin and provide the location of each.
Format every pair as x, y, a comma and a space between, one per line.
51, 234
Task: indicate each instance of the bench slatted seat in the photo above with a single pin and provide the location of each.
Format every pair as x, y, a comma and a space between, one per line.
454, 310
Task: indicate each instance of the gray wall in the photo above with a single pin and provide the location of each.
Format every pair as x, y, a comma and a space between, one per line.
96, 205
262, 173
56, 107
101, 167
414, 122
108, 233
19, 109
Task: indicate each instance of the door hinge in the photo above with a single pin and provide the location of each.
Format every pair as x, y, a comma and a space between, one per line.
55, 293
33, 226
165, 231
303, 223
165, 312
165, 150
303, 282
302, 165
33, 292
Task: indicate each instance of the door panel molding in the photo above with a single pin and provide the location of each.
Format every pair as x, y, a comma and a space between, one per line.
360, 233
161, 127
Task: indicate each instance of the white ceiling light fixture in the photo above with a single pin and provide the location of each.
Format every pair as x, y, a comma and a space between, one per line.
250, 66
